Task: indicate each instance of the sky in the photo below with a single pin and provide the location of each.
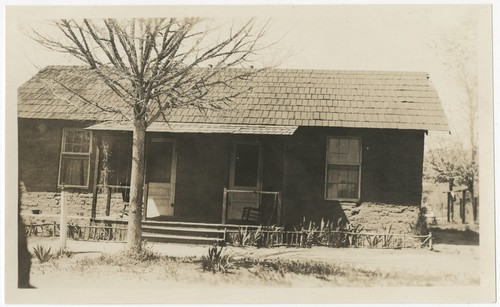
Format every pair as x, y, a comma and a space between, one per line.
344, 37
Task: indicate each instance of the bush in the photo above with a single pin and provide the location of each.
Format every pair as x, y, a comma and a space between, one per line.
420, 226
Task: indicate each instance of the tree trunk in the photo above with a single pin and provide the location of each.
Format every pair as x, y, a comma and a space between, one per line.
134, 232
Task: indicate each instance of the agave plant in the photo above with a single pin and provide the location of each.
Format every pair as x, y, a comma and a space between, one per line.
215, 261
42, 253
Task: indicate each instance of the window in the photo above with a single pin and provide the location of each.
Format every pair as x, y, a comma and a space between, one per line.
343, 168
75, 158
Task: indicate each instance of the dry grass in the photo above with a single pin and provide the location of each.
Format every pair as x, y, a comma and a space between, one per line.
151, 267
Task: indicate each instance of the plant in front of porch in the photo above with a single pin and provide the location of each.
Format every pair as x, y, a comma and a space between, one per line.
152, 65
215, 261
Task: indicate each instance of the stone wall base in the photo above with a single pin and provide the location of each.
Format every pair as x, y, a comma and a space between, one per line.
79, 204
378, 217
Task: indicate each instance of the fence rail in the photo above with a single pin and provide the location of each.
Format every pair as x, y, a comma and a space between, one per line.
333, 238
78, 232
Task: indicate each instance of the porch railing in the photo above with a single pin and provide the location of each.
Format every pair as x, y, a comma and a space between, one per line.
277, 203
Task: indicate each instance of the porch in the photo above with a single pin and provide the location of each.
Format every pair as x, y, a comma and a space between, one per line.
269, 209
202, 178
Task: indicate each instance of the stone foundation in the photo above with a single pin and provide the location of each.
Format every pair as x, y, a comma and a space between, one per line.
377, 217
79, 204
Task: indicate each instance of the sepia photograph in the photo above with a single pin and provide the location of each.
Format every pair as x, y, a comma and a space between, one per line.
325, 153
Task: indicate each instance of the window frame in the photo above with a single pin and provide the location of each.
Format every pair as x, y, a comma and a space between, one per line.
63, 154
359, 164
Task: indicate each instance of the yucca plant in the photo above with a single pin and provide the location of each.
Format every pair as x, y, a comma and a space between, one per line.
242, 237
309, 235
387, 237
372, 240
42, 253
353, 239
215, 261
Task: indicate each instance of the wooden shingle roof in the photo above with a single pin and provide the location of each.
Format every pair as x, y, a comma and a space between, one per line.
282, 97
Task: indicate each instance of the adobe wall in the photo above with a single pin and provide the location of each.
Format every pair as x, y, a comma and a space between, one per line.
39, 147
391, 173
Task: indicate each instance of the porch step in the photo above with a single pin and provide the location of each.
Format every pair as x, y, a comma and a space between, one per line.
165, 238
180, 232
197, 225
183, 231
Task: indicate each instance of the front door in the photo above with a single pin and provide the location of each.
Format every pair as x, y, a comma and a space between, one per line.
245, 175
160, 177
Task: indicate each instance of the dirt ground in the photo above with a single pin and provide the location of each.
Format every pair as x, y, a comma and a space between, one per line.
454, 261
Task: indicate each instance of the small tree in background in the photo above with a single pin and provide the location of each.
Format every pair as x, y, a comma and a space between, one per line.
153, 66
452, 162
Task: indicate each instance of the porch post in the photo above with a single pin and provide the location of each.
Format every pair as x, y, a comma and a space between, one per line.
224, 206
281, 195
145, 202
279, 217
108, 201
94, 183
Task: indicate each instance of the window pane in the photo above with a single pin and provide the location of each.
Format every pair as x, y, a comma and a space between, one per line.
343, 181
333, 145
76, 141
74, 170
343, 150
344, 146
354, 148
246, 165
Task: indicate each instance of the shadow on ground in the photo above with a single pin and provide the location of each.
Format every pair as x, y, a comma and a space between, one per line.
455, 236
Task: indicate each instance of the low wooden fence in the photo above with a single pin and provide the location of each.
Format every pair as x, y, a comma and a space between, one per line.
79, 232
333, 238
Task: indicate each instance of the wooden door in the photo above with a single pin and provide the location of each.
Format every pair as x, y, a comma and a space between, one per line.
160, 177
245, 175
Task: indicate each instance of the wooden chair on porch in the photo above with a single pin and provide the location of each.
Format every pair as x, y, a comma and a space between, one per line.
251, 215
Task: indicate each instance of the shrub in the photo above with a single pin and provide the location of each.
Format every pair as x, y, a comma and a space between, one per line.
215, 261
42, 253
420, 226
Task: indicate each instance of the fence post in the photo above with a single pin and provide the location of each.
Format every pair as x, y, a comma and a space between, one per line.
462, 214
430, 240
450, 201
64, 223
475, 202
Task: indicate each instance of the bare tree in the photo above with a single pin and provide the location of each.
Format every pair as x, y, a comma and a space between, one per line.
153, 66
458, 51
